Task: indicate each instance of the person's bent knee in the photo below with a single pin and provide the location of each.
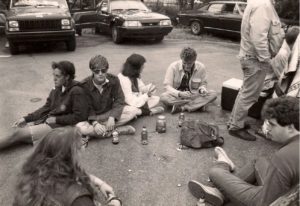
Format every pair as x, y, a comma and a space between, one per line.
21, 135
85, 128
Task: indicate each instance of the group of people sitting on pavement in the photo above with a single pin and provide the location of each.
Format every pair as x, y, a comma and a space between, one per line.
104, 103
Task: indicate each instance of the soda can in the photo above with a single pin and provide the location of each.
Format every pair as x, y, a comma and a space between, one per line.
115, 137
181, 119
144, 136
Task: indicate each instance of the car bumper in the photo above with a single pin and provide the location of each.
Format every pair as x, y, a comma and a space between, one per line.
144, 32
40, 36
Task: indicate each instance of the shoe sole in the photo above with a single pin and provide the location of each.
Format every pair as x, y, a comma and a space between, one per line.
198, 190
241, 137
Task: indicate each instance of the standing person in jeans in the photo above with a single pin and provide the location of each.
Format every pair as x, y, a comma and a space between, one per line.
185, 84
261, 39
261, 182
136, 93
66, 105
108, 111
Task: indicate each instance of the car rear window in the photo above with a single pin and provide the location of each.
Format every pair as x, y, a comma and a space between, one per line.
216, 8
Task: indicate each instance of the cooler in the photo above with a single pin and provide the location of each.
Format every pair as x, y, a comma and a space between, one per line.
230, 89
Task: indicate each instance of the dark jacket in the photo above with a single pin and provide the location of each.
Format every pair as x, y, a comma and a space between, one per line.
69, 107
110, 100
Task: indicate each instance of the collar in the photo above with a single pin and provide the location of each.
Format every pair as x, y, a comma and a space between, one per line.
96, 85
292, 139
193, 69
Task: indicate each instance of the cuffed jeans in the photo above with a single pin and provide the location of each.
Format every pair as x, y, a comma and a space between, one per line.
239, 189
192, 104
254, 75
127, 115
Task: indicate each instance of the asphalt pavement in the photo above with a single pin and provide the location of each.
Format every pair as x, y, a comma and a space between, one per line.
142, 175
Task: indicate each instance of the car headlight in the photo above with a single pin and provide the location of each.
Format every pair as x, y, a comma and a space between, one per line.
165, 22
65, 22
13, 24
132, 23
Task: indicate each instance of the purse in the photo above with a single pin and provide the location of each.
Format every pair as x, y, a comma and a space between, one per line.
198, 134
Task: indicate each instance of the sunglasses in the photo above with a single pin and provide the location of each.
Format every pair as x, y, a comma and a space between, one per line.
97, 71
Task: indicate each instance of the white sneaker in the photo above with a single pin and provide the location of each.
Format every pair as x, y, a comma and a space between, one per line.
210, 194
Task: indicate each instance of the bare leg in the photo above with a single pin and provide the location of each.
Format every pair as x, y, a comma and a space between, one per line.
17, 135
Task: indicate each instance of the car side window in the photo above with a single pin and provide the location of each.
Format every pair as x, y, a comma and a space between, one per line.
228, 8
216, 8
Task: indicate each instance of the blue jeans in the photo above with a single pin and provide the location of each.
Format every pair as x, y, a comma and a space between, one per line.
240, 188
254, 73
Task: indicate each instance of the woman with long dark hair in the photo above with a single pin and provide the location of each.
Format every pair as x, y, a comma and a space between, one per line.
136, 93
53, 176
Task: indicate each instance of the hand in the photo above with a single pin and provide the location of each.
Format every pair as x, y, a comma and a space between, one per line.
106, 189
50, 120
185, 95
203, 91
152, 88
20, 123
110, 125
100, 129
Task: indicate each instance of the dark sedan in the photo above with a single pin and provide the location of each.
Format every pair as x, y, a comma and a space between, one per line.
124, 19
216, 16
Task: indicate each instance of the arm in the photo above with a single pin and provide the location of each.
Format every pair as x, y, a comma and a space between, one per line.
169, 78
203, 77
41, 112
130, 98
118, 100
80, 108
260, 25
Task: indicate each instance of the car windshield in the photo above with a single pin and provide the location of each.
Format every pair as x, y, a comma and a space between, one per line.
40, 3
116, 6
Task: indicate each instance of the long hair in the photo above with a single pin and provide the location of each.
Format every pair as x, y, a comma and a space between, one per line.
132, 68
51, 168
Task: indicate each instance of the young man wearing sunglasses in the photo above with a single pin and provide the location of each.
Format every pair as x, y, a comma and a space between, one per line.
263, 181
106, 102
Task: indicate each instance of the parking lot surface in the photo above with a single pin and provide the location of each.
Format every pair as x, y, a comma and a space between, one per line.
142, 175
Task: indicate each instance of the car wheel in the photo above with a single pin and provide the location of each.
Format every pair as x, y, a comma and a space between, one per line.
116, 36
14, 48
71, 44
159, 39
196, 27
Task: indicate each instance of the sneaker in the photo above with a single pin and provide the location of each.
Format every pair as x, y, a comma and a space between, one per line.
126, 130
220, 151
176, 109
156, 110
242, 134
211, 194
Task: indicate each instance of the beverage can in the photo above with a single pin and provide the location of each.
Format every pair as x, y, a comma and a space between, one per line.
115, 137
161, 124
181, 119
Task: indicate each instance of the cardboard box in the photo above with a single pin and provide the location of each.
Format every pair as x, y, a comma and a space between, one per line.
230, 89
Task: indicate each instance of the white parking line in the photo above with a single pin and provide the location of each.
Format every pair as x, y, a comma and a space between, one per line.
5, 56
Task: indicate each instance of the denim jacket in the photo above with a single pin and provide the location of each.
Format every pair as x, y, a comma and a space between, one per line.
261, 32
175, 74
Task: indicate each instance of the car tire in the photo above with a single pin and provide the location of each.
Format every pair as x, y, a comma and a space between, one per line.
116, 36
71, 44
196, 27
159, 39
14, 48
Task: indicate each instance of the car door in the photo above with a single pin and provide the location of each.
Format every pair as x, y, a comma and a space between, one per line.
230, 18
84, 13
104, 16
211, 21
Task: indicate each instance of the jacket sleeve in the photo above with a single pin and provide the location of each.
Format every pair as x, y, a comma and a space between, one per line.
132, 99
41, 112
203, 77
260, 24
118, 98
80, 108
169, 78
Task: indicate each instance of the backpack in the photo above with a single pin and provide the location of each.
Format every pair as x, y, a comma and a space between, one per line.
198, 134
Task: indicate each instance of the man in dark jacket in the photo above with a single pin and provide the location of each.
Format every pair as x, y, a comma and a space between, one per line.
106, 102
66, 105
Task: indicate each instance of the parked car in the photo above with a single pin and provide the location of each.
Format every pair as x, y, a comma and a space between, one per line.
39, 21
216, 16
124, 19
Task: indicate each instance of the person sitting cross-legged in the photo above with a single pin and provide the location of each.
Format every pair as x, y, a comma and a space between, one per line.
185, 84
136, 93
108, 112
66, 105
260, 182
